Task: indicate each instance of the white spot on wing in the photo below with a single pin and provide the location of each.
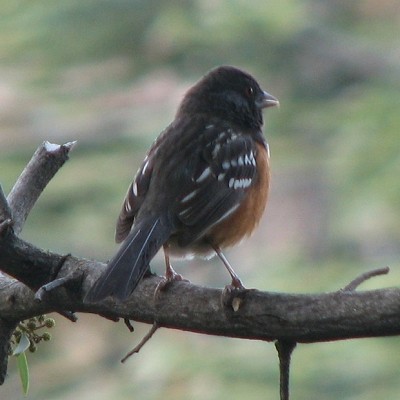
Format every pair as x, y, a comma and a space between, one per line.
233, 136
146, 164
226, 165
216, 150
128, 207
253, 159
185, 211
189, 196
227, 213
221, 136
204, 175
239, 183
135, 189
221, 177
247, 159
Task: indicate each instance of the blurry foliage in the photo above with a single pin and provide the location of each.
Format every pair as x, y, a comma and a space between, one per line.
110, 74
186, 34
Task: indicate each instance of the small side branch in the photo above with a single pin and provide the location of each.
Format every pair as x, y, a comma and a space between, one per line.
355, 283
45, 162
145, 339
285, 349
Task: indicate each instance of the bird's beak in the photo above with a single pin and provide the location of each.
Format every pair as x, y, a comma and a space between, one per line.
267, 100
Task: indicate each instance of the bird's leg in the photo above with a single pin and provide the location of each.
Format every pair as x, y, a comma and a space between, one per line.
233, 294
170, 274
236, 282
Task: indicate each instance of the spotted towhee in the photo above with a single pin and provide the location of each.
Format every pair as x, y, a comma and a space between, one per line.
202, 186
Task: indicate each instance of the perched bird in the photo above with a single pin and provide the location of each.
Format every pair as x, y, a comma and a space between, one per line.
202, 186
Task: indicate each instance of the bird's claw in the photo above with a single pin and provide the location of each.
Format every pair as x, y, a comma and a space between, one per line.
166, 282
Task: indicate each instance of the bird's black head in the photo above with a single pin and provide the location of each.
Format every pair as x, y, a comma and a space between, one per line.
229, 93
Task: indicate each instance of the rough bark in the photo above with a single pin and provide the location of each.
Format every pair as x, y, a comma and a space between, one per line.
250, 314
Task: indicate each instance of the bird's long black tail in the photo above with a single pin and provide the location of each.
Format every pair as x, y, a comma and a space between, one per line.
127, 267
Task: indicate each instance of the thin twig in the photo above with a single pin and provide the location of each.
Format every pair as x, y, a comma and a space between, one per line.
353, 285
145, 339
129, 325
70, 315
44, 164
285, 349
46, 289
55, 283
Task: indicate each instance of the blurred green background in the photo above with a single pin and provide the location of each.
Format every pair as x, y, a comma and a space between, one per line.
110, 74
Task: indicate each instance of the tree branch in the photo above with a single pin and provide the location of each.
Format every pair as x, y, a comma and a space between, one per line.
44, 164
46, 161
303, 318
289, 318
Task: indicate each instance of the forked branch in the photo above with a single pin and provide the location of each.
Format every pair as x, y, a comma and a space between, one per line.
286, 318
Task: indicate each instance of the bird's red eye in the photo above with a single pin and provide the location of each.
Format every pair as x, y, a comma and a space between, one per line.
249, 91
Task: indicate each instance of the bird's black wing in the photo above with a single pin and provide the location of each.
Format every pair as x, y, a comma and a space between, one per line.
137, 190
215, 180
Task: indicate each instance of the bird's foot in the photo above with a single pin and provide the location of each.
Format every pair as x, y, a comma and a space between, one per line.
170, 277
